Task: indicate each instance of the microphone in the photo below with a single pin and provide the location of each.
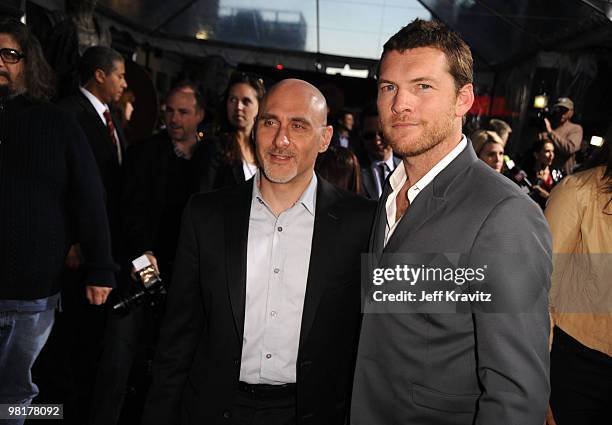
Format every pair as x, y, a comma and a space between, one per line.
516, 174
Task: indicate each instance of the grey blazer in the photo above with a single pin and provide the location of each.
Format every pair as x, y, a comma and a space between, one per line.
476, 366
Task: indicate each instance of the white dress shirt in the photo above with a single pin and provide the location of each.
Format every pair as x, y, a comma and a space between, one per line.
398, 178
100, 109
278, 257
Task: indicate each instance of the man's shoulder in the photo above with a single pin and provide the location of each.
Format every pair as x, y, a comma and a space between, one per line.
218, 200
40, 112
71, 101
486, 188
150, 144
569, 126
46, 108
345, 199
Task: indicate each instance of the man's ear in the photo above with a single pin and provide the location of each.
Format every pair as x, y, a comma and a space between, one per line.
465, 100
326, 137
100, 76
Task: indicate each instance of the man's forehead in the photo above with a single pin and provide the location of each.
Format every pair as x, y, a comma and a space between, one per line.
119, 66
181, 98
8, 41
290, 103
428, 59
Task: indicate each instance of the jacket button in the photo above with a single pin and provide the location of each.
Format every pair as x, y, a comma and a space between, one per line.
227, 414
236, 362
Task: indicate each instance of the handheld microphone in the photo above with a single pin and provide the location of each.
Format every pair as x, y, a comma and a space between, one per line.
516, 174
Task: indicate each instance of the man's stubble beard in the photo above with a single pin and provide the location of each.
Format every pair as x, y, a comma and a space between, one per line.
429, 139
268, 171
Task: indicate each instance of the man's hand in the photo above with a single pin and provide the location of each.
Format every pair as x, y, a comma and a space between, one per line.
548, 126
153, 261
74, 258
97, 295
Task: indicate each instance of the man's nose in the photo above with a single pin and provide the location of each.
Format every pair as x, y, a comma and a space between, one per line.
281, 138
403, 102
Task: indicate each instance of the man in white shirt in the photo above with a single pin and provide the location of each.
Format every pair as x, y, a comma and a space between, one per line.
264, 307
443, 209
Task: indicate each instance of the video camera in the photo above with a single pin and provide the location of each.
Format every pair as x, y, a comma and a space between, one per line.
149, 286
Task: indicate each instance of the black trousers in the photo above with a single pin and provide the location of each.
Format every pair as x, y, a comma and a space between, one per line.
581, 383
263, 409
66, 367
124, 368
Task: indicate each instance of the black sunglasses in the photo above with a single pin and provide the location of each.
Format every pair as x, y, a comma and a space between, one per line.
11, 55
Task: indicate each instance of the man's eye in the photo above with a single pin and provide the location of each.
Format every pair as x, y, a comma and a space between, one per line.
268, 123
387, 87
297, 125
424, 86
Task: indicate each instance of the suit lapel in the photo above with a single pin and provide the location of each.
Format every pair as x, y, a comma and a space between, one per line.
91, 111
430, 199
423, 207
377, 238
103, 138
119, 129
369, 184
321, 254
238, 173
237, 213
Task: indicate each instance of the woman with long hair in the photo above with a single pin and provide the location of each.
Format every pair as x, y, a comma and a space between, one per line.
235, 160
340, 167
540, 172
579, 213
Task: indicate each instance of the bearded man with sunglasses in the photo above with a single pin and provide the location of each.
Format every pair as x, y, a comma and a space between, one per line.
47, 181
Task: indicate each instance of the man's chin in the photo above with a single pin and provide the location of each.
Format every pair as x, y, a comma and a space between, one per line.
276, 176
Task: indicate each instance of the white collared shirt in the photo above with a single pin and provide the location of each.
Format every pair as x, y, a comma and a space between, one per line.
398, 178
278, 257
100, 109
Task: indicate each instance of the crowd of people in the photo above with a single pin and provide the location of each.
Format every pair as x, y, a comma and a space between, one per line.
257, 226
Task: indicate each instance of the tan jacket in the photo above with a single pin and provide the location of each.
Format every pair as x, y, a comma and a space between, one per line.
567, 139
580, 219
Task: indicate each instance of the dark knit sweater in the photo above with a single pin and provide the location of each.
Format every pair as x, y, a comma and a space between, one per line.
50, 194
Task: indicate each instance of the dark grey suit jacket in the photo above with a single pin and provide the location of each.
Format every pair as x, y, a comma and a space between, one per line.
475, 366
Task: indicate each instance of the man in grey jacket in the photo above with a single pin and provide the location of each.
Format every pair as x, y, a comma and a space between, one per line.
455, 329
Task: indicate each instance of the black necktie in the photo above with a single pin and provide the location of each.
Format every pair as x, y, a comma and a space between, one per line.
381, 168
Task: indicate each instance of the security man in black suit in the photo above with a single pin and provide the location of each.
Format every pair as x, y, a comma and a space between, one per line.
80, 329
